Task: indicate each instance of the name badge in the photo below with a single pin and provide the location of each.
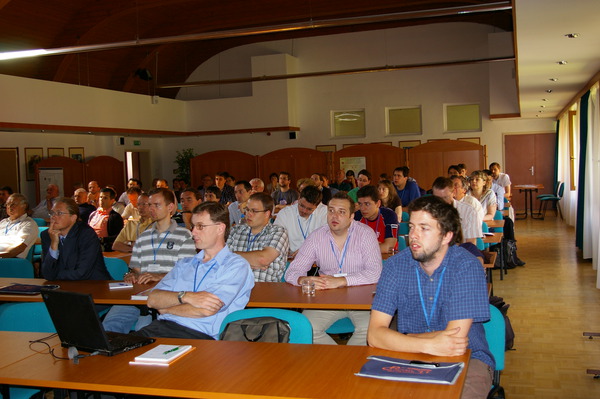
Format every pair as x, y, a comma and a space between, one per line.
340, 275
153, 268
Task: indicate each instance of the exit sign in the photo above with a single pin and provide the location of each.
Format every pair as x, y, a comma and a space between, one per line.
137, 142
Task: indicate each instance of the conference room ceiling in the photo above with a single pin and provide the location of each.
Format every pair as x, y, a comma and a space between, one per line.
110, 44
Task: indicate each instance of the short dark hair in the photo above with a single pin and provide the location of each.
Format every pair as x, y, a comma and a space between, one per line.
8, 189
139, 182
453, 167
135, 190
494, 164
341, 195
445, 214
366, 173
442, 182
286, 174
463, 181
166, 194
311, 194
217, 212
214, 190
71, 205
368, 191
244, 183
404, 169
265, 199
111, 193
192, 190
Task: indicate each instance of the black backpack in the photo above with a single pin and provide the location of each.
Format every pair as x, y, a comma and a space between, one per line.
502, 306
258, 329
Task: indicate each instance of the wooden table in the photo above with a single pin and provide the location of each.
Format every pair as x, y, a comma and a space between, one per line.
494, 223
218, 369
495, 238
126, 256
264, 295
528, 189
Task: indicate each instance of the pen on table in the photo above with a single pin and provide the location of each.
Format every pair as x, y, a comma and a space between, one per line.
425, 363
170, 350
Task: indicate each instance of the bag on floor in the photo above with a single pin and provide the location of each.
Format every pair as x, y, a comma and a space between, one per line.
502, 306
258, 329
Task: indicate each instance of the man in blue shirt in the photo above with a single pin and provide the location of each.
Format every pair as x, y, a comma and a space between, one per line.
195, 297
439, 291
406, 187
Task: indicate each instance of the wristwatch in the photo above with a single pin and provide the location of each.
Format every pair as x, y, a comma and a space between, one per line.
180, 296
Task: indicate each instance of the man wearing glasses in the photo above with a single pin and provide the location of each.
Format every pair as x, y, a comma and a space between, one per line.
18, 231
302, 218
155, 253
264, 245
134, 228
70, 248
197, 295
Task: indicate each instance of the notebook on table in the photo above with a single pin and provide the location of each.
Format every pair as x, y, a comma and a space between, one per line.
77, 324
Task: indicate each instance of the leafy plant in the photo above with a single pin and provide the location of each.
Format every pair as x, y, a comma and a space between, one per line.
183, 160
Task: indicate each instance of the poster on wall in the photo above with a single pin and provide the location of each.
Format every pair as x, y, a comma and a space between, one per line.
32, 157
353, 163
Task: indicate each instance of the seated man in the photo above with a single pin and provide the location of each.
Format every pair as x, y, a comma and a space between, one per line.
190, 198
85, 209
302, 218
94, 193
470, 220
131, 211
18, 232
363, 179
71, 249
264, 245
347, 254
154, 255
197, 295
407, 189
242, 191
134, 228
212, 194
501, 179
460, 186
316, 177
258, 186
43, 209
106, 222
130, 183
5, 192
227, 194
435, 267
284, 195
380, 219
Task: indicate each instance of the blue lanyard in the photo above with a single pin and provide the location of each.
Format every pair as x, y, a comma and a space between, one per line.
196, 287
428, 317
340, 263
251, 241
14, 224
163, 240
307, 226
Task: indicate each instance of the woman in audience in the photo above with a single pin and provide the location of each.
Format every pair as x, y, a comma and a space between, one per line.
389, 197
481, 189
274, 183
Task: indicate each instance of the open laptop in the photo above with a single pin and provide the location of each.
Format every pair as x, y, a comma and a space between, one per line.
77, 324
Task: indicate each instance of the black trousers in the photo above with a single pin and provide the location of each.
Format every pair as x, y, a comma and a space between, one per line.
170, 329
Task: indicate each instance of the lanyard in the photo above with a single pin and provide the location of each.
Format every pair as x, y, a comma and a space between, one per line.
14, 224
196, 287
251, 241
340, 263
307, 226
429, 316
152, 240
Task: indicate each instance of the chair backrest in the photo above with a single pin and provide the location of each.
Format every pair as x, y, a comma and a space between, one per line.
480, 244
495, 332
403, 228
26, 316
401, 243
40, 221
405, 217
16, 267
116, 267
498, 215
301, 329
561, 190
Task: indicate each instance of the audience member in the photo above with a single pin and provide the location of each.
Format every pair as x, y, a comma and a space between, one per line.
406, 189
124, 199
85, 210
131, 211
71, 249
453, 321
378, 218
303, 217
18, 232
258, 186
497, 189
242, 192
462, 170
501, 179
364, 179
155, 253
460, 186
230, 181
43, 209
197, 295
207, 181
190, 198
389, 197
212, 194
132, 230
481, 191
273, 183
316, 177
5, 192
346, 253
105, 221
227, 194
284, 195
325, 181
263, 244
93, 193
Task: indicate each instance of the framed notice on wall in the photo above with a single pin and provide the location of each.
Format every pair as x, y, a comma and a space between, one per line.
77, 153
56, 152
353, 163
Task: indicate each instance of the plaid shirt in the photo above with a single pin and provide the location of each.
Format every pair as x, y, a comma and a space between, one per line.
273, 236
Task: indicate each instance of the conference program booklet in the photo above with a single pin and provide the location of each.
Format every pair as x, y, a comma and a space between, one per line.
388, 368
142, 295
162, 355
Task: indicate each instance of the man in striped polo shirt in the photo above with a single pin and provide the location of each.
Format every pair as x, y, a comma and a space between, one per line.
154, 254
347, 253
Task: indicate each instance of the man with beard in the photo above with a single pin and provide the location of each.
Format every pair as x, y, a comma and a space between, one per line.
439, 291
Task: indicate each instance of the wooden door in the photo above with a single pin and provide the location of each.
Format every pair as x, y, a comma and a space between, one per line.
298, 162
530, 159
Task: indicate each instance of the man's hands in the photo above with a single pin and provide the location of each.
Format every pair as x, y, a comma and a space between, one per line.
448, 343
54, 236
325, 282
142, 278
206, 303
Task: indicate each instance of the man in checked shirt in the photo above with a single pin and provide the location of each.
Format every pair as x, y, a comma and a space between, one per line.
347, 253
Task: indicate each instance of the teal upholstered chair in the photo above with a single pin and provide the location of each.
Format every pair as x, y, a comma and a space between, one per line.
554, 199
116, 267
16, 267
40, 222
495, 332
301, 329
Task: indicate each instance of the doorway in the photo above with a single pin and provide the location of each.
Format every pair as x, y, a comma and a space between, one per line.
137, 166
530, 159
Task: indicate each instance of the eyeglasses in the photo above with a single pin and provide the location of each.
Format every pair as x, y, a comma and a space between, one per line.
252, 211
201, 226
59, 213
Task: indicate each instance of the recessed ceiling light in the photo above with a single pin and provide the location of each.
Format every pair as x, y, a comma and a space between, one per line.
549, 91
553, 79
542, 106
562, 62
572, 35
544, 99
541, 112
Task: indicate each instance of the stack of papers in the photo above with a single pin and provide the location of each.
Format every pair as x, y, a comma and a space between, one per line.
162, 355
388, 368
142, 295
119, 285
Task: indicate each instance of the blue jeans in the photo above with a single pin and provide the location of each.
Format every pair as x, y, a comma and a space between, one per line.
123, 319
